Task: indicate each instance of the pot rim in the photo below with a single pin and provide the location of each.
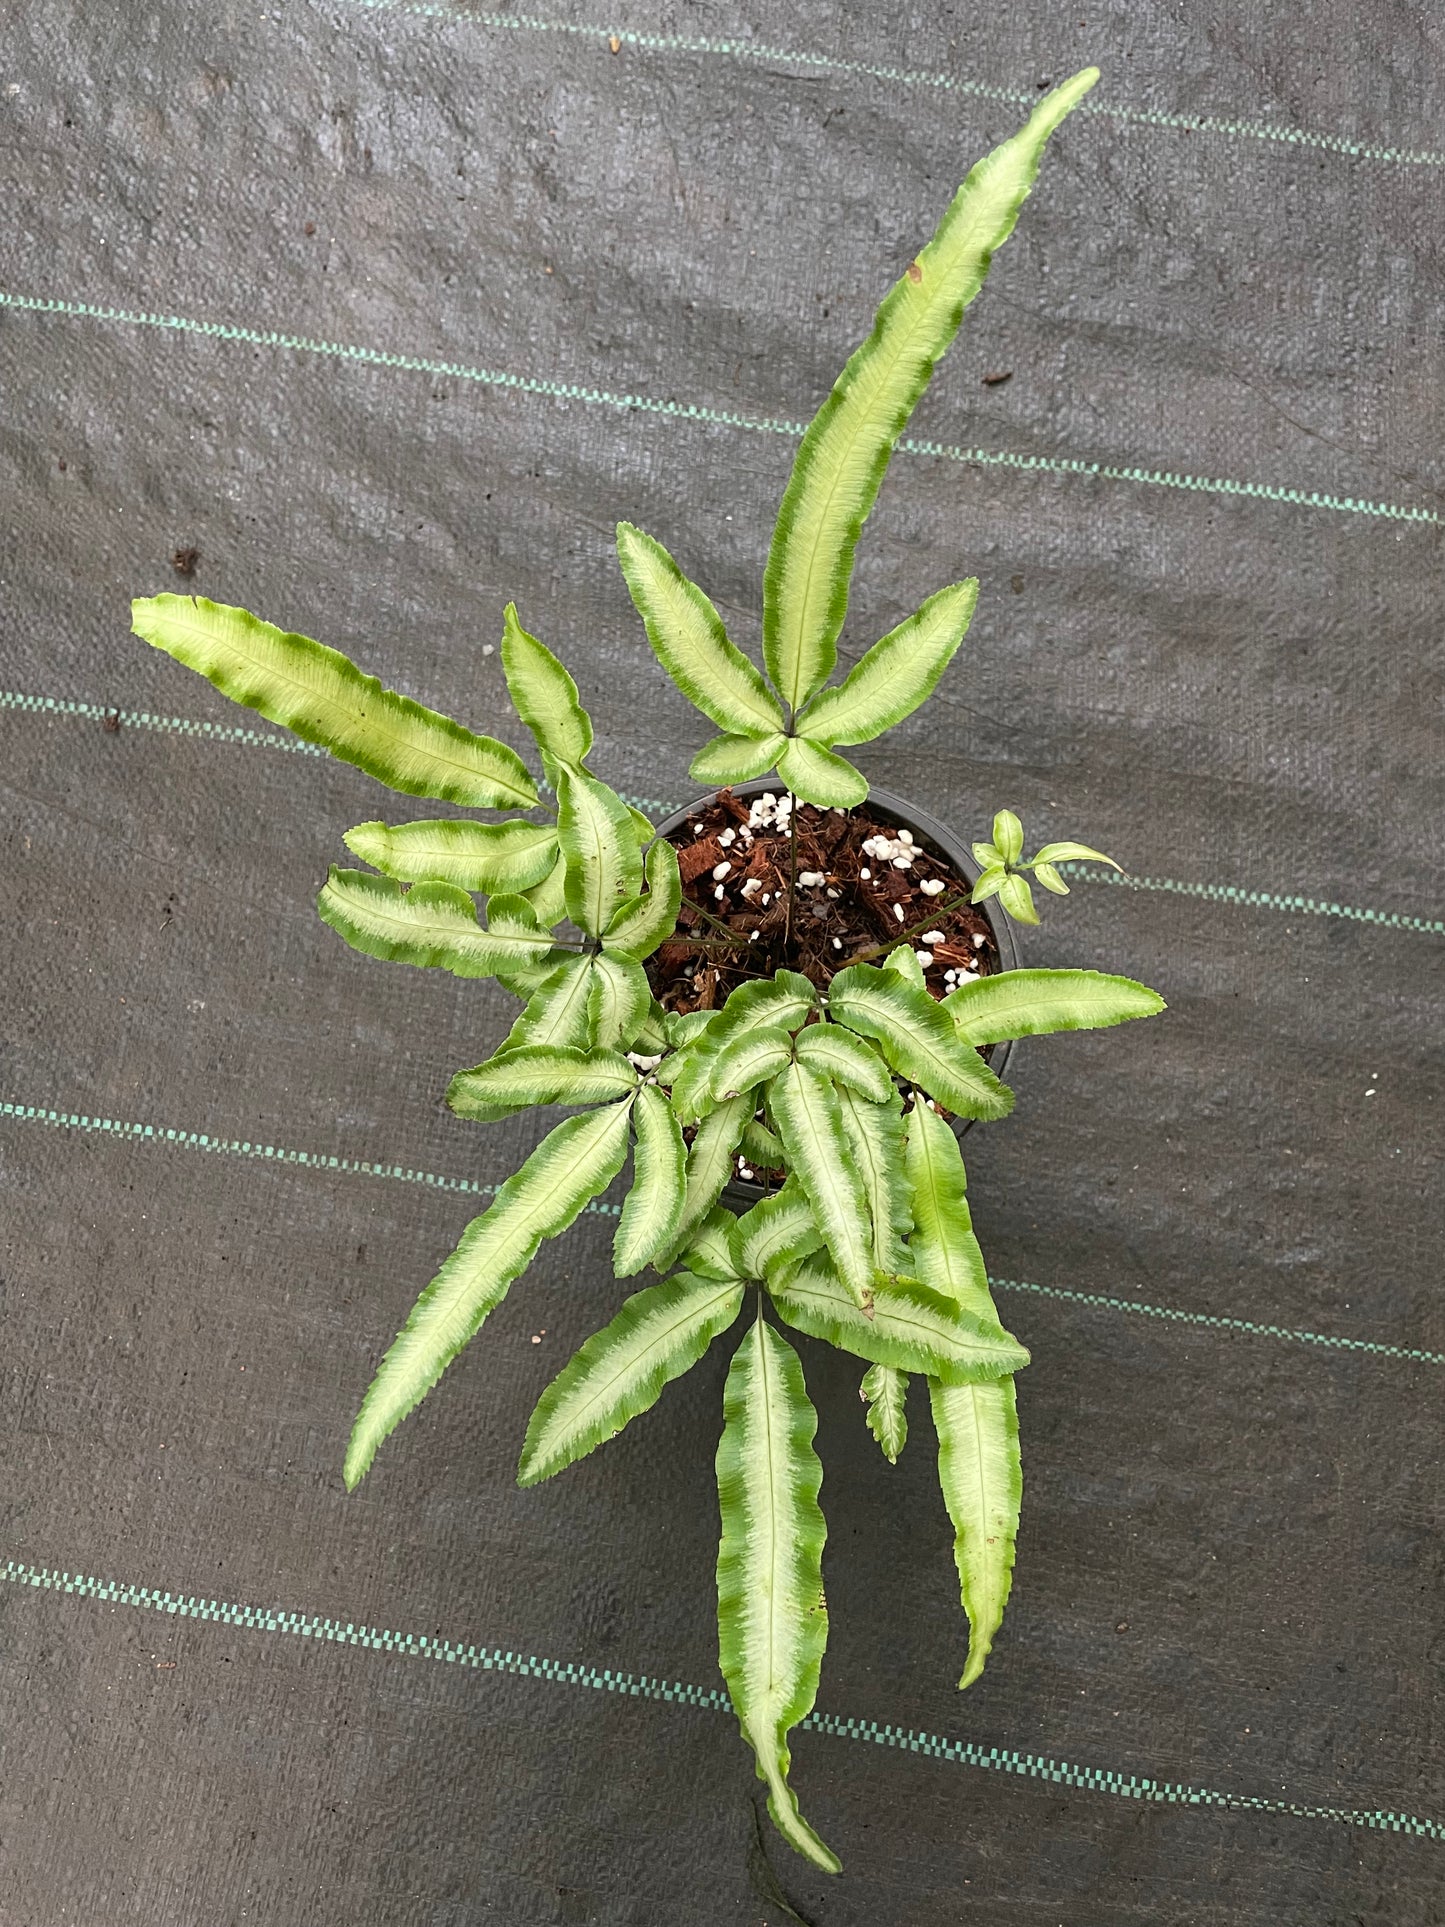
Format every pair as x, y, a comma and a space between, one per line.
932, 834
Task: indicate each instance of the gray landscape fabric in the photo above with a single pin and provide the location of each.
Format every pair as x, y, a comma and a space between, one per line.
390, 313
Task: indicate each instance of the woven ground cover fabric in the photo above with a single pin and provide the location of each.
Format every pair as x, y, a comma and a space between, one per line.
391, 313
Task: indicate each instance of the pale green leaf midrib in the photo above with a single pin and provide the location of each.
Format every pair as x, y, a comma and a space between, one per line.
579, 1415
820, 1158
517, 1229
469, 771
775, 1691
448, 934
824, 516
895, 1314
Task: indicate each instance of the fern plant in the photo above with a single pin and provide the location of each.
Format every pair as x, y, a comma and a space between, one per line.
844, 1087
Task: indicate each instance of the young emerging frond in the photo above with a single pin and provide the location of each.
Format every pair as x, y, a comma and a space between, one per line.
434, 925
325, 699
884, 1391
896, 675
545, 695
841, 462
1032, 1003
493, 858
918, 1040
567, 1169
660, 1333
772, 1620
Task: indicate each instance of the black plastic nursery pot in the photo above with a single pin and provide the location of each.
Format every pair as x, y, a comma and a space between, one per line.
931, 836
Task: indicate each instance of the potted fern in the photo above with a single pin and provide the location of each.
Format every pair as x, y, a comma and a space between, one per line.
757, 1032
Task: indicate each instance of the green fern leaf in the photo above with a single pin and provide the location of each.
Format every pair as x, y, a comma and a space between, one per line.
837, 1053
604, 864
808, 1117
1032, 1003
660, 1333
777, 1232
761, 1146
505, 858
884, 1390
875, 1137
772, 1621
1018, 899
945, 1250
689, 1074
820, 777
568, 1168
709, 1166
710, 1249
555, 1016
640, 924
619, 1003
544, 694
917, 1039
981, 1472
654, 1204
896, 674
748, 1060
689, 640
549, 897
735, 759
841, 462
556, 1012
902, 960
977, 1425
542, 1074
911, 1327
785, 999
322, 697
433, 925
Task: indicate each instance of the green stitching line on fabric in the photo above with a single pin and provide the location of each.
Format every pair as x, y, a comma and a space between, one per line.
214, 732
1260, 899
1213, 1323
1081, 873
319, 1161
245, 1148
717, 417
495, 1659
1260, 130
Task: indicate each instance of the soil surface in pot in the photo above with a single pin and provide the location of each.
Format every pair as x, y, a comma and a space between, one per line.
861, 883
